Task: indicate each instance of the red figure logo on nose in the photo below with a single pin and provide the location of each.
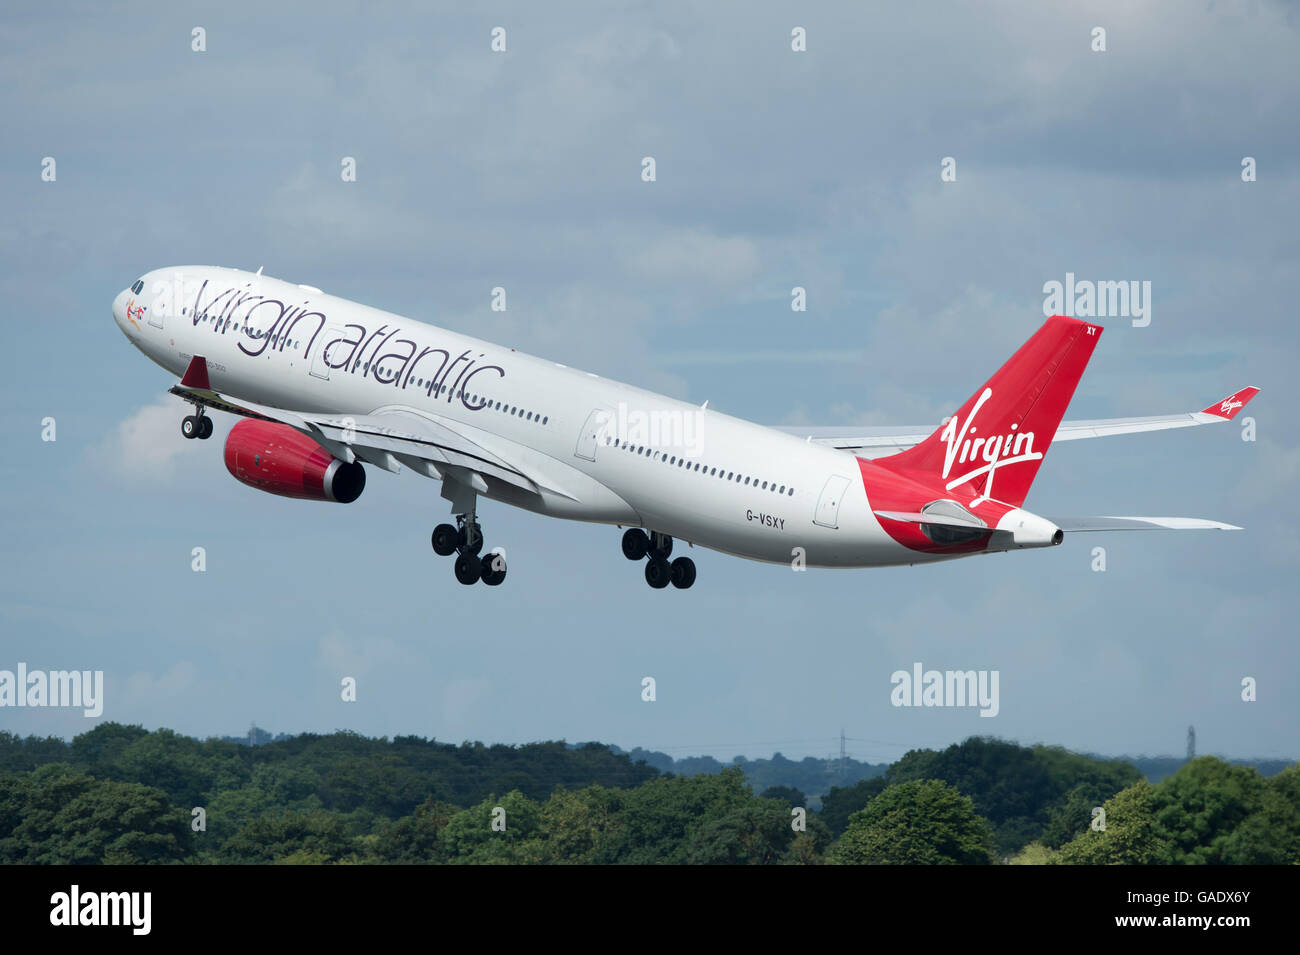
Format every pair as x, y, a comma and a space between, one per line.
133, 313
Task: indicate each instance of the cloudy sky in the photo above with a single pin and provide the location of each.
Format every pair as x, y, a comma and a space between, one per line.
775, 169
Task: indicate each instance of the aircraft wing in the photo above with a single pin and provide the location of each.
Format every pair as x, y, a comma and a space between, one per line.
389, 438
876, 442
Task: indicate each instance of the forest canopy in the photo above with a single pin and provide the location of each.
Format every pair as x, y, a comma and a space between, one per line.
124, 794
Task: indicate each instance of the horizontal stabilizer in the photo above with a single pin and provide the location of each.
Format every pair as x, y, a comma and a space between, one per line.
1140, 524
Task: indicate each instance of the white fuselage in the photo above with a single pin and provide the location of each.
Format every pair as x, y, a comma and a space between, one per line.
645, 459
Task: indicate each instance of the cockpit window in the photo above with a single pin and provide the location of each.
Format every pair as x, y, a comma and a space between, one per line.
137, 287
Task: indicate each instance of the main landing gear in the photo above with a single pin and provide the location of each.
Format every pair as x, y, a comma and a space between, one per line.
466, 541
197, 425
659, 573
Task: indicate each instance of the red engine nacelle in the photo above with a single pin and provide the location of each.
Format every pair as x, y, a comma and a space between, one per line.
275, 458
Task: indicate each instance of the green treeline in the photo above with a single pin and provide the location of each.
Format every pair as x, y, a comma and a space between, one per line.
121, 794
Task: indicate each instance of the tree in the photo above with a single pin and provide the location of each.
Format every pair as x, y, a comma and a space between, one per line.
1021, 790
1198, 808
69, 818
1034, 854
414, 839
842, 803
924, 822
659, 817
787, 794
578, 826
470, 837
758, 832
277, 837
1131, 836
1270, 835
183, 767
1072, 816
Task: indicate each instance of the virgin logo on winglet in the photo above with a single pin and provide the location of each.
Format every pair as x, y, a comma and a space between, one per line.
995, 451
1229, 406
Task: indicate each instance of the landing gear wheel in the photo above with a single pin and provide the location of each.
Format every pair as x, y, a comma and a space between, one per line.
468, 568
444, 540
657, 572
469, 539
205, 427
682, 573
190, 426
492, 569
635, 544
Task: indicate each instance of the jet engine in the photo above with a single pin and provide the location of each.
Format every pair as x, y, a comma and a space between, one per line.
278, 459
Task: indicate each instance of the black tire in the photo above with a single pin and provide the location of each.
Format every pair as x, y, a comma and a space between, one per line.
682, 573
468, 568
205, 431
462, 544
190, 426
635, 544
657, 573
665, 550
492, 569
444, 540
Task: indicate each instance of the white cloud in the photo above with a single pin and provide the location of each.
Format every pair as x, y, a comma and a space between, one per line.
141, 686
148, 446
355, 655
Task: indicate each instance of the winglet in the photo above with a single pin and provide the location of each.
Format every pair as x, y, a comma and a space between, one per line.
196, 376
1229, 406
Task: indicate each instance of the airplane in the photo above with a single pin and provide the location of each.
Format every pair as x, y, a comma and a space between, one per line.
325, 386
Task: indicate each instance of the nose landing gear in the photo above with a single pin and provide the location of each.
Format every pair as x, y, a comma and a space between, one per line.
659, 573
197, 425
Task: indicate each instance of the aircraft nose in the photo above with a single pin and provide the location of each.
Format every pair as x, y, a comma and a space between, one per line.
119, 307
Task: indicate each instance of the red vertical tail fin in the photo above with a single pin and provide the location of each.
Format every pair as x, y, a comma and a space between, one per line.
993, 445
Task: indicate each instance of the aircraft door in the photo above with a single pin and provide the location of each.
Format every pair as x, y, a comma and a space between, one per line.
320, 361
828, 505
591, 433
